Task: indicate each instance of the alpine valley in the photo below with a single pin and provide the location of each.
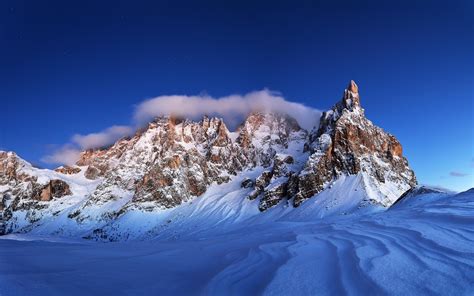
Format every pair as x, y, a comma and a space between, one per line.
287, 210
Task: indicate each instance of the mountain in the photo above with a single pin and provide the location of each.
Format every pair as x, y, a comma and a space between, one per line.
198, 173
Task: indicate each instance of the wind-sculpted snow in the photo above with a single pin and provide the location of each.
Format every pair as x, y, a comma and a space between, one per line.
421, 246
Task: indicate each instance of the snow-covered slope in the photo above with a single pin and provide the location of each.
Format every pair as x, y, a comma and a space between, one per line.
177, 175
414, 248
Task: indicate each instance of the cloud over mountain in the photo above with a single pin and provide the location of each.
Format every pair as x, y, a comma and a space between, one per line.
69, 153
102, 138
66, 154
233, 109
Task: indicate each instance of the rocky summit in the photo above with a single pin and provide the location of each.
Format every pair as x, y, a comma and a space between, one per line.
268, 163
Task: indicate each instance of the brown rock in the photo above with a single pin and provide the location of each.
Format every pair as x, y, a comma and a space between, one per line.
54, 189
92, 172
68, 170
353, 87
174, 162
351, 96
196, 186
222, 139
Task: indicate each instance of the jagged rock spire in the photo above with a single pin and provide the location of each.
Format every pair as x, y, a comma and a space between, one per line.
348, 143
353, 87
351, 95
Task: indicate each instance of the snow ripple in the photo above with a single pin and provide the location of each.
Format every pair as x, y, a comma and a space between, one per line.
412, 249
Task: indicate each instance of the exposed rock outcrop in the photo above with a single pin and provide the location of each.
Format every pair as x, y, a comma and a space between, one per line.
348, 143
54, 189
68, 170
173, 161
247, 183
10, 169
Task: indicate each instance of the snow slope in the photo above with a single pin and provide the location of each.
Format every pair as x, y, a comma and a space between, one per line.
421, 246
222, 208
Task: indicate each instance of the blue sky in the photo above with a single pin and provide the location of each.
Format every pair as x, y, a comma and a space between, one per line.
82, 66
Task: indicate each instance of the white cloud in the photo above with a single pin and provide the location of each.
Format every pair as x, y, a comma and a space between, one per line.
233, 109
103, 138
67, 154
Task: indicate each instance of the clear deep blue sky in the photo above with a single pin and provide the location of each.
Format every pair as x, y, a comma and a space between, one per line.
80, 66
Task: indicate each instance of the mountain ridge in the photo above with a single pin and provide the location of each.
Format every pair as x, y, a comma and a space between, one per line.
174, 161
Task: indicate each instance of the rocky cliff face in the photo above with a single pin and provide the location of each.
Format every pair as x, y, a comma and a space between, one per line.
346, 142
19, 179
26, 189
173, 161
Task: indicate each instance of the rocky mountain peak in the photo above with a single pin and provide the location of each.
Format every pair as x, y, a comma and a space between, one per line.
347, 143
351, 96
9, 164
269, 123
352, 87
175, 160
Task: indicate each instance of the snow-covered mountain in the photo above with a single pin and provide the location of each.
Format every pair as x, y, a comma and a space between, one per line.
199, 174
